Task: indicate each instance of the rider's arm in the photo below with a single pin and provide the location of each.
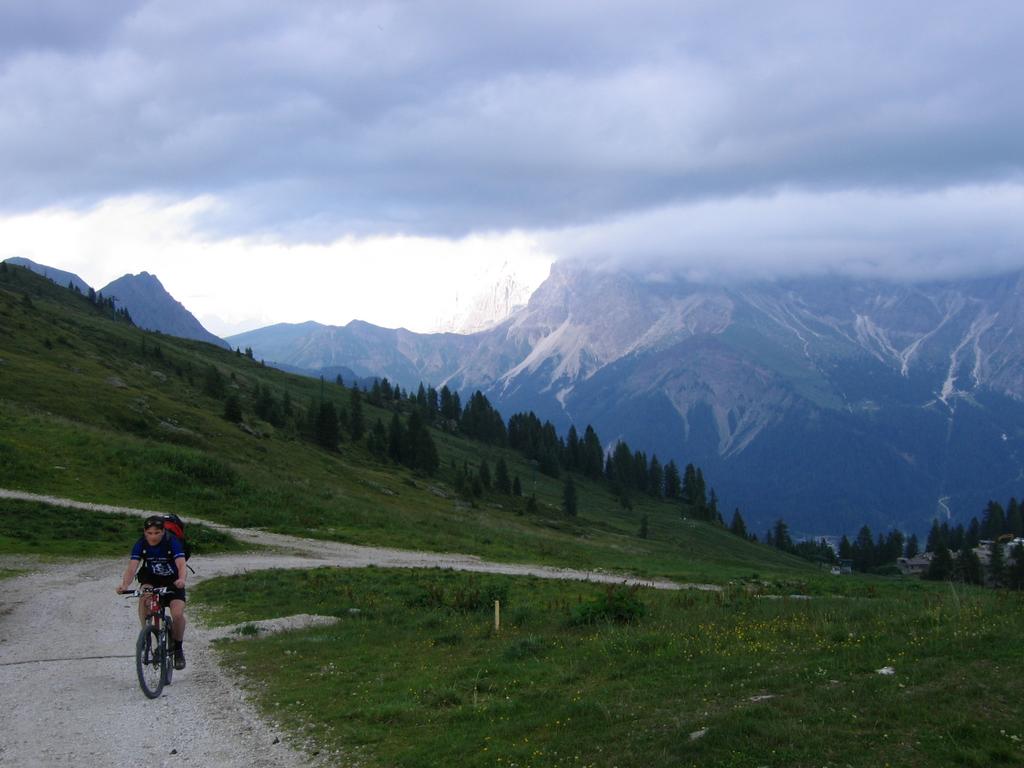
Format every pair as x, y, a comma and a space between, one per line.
129, 574
180, 562
133, 566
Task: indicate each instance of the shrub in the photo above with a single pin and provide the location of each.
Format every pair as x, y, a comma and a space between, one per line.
618, 604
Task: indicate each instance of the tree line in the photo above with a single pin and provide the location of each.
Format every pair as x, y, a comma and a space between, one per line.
953, 549
627, 473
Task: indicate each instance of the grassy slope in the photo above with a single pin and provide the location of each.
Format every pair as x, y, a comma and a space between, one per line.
29, 528
101, 411
770, 682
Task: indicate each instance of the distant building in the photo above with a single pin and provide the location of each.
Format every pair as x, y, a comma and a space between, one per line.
914, 566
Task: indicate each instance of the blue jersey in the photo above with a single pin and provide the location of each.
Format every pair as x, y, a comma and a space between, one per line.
159, 560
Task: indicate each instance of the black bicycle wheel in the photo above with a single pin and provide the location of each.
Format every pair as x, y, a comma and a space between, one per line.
167, 642
150, 661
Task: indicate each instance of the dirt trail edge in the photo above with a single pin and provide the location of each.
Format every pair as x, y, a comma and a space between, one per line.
68, 690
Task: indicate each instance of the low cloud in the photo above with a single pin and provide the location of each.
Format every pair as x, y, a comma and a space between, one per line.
896, 235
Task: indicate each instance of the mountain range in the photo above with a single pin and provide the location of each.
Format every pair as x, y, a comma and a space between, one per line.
147, 301
829, 402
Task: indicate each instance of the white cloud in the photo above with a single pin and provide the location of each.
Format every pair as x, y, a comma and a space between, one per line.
903, 235
234, 284
755, 138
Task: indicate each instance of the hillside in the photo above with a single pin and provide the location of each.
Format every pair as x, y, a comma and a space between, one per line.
96, 409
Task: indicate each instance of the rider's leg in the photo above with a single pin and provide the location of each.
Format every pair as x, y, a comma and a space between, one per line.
143, 607
178, 616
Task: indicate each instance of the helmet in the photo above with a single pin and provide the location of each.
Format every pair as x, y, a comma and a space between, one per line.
154, 521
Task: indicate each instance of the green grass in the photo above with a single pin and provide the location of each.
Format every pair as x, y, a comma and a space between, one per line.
30, 528
414, 674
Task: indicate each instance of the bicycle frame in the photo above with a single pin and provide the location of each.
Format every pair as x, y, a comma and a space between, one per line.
153, 649
156, 610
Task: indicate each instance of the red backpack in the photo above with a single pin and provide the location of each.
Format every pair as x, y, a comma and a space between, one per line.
176, 526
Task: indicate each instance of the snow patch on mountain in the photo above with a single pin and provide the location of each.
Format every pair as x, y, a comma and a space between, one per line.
499, 296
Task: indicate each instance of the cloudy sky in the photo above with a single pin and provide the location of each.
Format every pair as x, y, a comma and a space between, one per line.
321, 160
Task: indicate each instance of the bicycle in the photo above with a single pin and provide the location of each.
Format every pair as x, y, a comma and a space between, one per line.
154, 649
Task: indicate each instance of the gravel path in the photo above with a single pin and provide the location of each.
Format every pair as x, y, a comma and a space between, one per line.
68, 691
69, 695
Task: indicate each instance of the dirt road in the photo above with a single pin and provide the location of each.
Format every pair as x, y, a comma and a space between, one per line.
68, 693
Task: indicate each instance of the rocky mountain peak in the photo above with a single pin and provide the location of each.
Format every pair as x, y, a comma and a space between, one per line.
153, 308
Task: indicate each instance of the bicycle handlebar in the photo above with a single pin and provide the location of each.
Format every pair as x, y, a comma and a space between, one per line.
147, 590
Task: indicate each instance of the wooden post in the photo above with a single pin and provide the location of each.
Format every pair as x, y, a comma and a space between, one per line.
497, 615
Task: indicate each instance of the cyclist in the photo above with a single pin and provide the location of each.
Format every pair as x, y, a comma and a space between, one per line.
162, 558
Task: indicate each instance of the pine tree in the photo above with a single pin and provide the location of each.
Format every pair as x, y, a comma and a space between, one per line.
912, 546
641, 471
377, 441
892, 547
356, 421
425, 457
501, 479
656, 478
327, 432
694, 493
992, 521
845, 549
968, 567
713, 514
569, 497
213, 382
972, 536
780, 536
517, 487
673, 484
737, 526
485, 474
623, 468
941, 566
396, 440
702, 490
996, 564
643, 526
864, 555
593, 454
1015, 570
1014, 519
688, 493
573, 451
233, 409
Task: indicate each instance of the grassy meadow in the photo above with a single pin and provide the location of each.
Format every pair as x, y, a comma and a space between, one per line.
414, 674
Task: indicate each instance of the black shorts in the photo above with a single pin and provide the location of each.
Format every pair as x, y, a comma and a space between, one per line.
147, 578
